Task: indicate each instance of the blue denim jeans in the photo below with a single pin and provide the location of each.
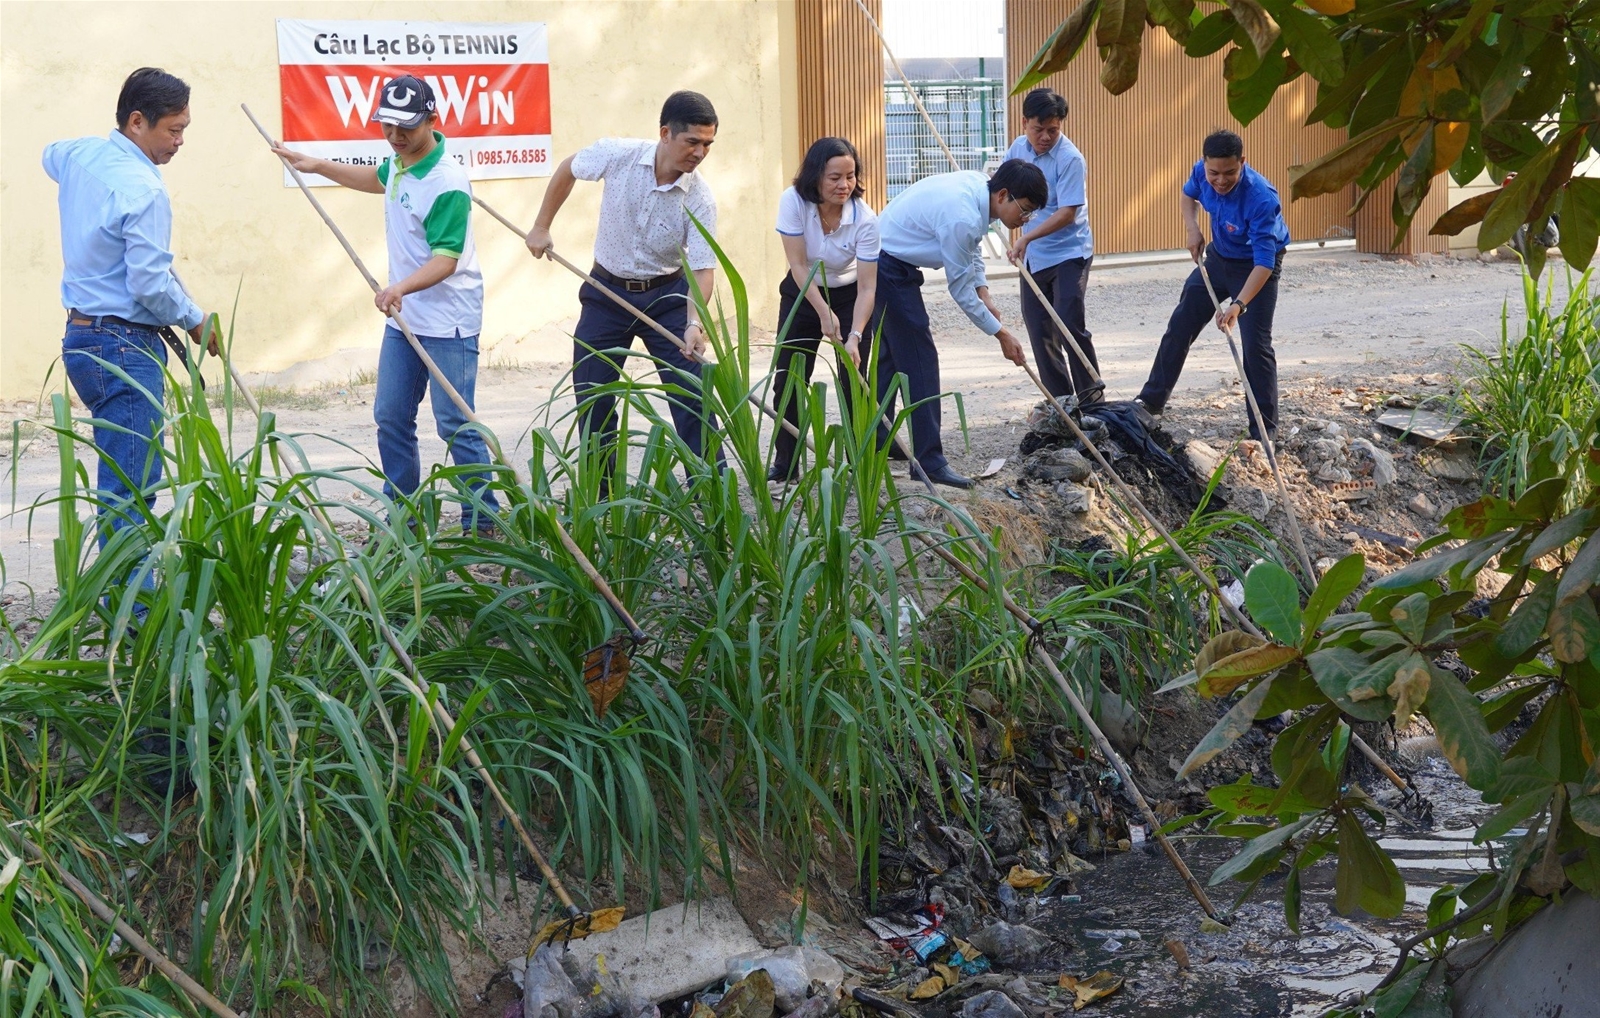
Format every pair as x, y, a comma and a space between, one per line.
128, 419
402, 379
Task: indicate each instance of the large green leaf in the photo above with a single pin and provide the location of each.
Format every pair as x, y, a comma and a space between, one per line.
1257, 25
1338, 669
1435, 566
1338, 100
1273, 598
1526, 624
1176, 16
1226, 731
1338, 583
1586, 812
1213, 32
1560, 533
1516, 42
1311, 44
1516, 200
1580, 221
1059, 50
1457, 719
1249, 98
1259, 848
1366, 878
1580, 573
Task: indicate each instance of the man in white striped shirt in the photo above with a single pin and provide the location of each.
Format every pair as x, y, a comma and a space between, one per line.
647, 231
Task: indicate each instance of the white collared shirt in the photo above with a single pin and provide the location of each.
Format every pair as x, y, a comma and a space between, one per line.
644, 225
939, 222
854, 239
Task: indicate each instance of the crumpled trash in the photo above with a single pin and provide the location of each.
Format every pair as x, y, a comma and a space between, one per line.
796, 972
991, 1004
1086, 991
1011, 945
917, 932
751, 997
1112, 934
545, 984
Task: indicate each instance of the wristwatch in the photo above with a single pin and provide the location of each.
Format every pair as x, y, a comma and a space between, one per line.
854, 334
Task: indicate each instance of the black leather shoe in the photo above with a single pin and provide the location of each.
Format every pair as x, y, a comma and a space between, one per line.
944, 475
781, 473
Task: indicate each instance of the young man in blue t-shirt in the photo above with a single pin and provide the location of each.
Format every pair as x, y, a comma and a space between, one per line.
1248, 238
1058, 249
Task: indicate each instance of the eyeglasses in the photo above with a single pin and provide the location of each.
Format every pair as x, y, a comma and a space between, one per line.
1027, 211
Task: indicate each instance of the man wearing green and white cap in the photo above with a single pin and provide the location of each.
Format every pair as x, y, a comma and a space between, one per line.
433, 280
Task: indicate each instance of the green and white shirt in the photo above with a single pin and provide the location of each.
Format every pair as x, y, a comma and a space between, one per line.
427, 211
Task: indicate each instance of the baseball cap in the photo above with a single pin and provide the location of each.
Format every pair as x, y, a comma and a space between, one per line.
405, 102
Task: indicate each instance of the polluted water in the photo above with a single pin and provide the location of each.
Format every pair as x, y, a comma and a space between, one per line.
1136, 918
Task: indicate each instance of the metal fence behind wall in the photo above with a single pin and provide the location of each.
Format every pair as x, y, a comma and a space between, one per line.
970, 114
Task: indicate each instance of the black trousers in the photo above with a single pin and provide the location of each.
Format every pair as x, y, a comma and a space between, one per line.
797, 353
907, 348
1195, 312
1064, 285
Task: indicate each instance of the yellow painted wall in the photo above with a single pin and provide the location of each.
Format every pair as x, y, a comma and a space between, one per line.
612, 62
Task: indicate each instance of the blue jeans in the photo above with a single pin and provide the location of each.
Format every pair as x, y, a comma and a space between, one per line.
402, 379
128, 422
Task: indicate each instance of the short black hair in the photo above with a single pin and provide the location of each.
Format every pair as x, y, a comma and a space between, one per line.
815, 164
1044, 104
1023, 181
1222, 145
153, 92
683, 110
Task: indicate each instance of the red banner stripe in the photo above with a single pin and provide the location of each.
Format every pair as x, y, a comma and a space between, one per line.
335, 102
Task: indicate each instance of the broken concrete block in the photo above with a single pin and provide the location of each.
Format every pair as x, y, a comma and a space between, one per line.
1544, 967
1431, 428
1458, 468
1421, 505
991, 1004
673, 951
1202, 457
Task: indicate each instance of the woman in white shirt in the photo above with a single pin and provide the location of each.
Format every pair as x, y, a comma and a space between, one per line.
822, 219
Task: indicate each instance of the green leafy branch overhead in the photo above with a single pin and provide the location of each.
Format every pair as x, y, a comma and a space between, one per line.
1423, 87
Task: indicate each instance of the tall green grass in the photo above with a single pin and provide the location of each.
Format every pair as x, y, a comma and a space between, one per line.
1540, 384
226, 756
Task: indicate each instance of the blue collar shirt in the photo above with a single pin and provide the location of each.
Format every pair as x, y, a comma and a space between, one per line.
939, 222
116, 233
1065, 171
1247, 222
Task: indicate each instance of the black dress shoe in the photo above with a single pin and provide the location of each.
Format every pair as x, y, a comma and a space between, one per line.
781, 473
944, 475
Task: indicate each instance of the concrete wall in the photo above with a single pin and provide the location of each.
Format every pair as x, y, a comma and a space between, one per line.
237, 228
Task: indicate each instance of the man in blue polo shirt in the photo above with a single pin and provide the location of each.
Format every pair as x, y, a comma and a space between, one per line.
1248, 238
117, 282
1058, 249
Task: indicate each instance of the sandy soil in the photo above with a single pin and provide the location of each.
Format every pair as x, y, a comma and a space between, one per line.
1341, 316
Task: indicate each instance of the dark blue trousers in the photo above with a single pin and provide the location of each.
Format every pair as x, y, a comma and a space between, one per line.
1195, 312
907, 348
603, 338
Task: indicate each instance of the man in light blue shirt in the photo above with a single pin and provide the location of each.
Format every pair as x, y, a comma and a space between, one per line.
939, 222
117, 284
1059, 249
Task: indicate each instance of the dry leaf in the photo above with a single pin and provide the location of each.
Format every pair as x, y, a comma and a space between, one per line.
950, 976
1409, 689
1024, 879
928, 989
1102, 984
1067, 982
602, 921
1179, 952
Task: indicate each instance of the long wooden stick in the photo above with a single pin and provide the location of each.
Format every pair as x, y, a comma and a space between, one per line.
166, 966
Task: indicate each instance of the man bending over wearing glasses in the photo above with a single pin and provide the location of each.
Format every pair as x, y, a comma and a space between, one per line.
939, 222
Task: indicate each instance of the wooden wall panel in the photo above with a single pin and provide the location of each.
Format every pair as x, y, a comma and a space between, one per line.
1375, 223
840, 77
1141, 145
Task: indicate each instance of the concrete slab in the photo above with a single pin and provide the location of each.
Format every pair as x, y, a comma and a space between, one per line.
1545, 969
675, 950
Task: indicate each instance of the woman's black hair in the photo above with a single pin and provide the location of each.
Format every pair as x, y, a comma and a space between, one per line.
815, 164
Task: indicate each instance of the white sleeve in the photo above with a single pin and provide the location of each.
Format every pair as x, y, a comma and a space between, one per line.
791, 214
594, 162
868, 243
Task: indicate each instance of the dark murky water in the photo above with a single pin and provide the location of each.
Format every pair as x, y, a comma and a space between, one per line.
1257, 967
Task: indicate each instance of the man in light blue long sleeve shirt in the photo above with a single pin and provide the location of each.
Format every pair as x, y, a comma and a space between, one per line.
117, 283
939, 222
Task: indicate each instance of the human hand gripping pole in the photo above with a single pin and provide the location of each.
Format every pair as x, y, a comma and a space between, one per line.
578, 922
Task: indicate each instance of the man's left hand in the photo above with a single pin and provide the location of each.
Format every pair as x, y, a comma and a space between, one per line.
388, 300
1228, 315
1018, 251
